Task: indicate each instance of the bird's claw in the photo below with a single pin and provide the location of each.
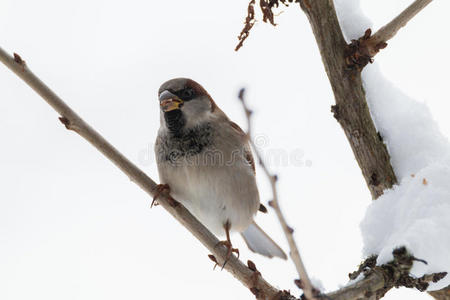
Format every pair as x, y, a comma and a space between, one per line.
230, 251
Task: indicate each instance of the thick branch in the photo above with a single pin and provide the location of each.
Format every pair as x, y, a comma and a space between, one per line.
364, 289
351, 109
380, 279
306, 284
74, 122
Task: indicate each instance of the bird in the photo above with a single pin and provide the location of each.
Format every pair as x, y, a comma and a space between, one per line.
205, 161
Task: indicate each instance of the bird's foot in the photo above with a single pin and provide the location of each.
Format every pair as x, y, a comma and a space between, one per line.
230, 251
163, 189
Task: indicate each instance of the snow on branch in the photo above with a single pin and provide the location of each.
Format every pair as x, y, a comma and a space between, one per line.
423, 221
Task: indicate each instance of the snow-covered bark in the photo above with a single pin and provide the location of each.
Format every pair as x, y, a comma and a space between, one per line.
415, 213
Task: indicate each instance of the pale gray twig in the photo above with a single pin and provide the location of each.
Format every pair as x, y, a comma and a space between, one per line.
388, 31
274, 203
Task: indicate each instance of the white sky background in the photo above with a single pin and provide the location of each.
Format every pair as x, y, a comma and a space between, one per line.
72, 226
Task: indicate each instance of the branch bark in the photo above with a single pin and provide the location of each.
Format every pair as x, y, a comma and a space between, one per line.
388, 31
351, 108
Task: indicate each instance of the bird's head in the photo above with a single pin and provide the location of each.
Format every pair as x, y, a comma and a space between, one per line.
184, 104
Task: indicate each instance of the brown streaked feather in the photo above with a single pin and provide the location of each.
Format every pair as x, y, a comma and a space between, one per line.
213, 104
237, 128
247, 152
250, 160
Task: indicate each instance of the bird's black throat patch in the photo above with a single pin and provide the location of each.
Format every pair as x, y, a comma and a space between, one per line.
185, 143
174, 120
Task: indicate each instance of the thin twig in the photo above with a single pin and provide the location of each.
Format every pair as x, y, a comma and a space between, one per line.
361, 51
388, 31
274, 203
74, 122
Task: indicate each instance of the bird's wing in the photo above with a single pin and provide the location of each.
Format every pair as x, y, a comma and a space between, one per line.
247, 150
248, 156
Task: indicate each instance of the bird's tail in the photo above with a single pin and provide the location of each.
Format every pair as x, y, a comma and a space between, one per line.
258, 241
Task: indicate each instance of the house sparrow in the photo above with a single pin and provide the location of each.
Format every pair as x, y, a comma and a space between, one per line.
206, 161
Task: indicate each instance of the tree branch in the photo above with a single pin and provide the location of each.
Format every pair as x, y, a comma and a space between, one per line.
378, 280
351, 108
305, 282
375, 282
361, 51
388, 31
74, 122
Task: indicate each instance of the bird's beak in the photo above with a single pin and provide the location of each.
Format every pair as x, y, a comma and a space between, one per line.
169, 101
171, 104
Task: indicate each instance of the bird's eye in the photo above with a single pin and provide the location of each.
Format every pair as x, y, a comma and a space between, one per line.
187, 94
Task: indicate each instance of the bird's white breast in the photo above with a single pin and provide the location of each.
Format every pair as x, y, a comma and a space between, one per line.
216, 185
